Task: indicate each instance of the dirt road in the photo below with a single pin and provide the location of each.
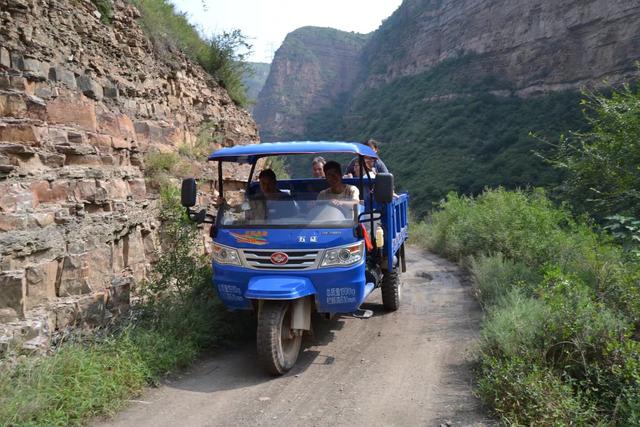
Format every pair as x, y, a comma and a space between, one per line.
407, 368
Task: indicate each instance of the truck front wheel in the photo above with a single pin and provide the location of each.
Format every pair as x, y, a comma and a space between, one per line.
391, 290
278, 344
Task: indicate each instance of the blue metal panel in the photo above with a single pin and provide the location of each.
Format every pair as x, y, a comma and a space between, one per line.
394, 218
336, 290
279, 287
249, 153
285, 238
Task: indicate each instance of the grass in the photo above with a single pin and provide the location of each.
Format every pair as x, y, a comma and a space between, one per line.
177, 316
559, 343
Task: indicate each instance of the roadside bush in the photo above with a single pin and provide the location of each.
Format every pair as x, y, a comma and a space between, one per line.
511, 223
523, 394
560, 341
495, 275
515, 327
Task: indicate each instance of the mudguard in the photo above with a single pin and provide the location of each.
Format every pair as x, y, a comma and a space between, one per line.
279, 287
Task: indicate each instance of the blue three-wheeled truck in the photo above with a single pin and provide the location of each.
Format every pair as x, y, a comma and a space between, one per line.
287, 256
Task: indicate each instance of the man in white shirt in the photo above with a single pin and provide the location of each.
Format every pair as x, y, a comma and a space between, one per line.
337, 189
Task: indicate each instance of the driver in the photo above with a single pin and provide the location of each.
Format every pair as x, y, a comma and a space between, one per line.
338, 191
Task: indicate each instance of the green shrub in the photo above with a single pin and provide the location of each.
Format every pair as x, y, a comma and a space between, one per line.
525, 394
602, 163
515, 327
105, 7
523, 226
494, 276
158, 162
560, 340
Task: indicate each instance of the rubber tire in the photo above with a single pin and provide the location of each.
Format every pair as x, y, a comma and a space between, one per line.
277, 355
391, 290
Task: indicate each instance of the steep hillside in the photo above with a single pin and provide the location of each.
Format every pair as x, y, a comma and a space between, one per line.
453, 89
83, 107
255, 80
314, 68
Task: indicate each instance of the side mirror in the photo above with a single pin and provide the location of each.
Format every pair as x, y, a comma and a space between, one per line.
383, 190
188, 192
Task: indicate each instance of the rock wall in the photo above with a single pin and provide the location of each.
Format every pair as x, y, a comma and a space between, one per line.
313, 68
537, 45
81, 105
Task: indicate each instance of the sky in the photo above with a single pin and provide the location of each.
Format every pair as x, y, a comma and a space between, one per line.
267, 22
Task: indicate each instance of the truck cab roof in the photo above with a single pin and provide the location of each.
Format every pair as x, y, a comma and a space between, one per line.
250, 153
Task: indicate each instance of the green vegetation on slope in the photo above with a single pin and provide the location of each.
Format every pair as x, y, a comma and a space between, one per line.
222, 55
444, 130
254, 79
559, 345
176, 318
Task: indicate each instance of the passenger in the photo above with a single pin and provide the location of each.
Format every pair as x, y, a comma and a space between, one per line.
378, 165
316, 167
370, 170
337, 190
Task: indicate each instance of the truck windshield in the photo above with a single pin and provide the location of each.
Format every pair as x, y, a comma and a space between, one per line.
290, 213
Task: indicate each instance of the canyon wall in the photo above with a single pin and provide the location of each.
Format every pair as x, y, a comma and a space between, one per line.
82, 104
536, 45
526, 47
313, 69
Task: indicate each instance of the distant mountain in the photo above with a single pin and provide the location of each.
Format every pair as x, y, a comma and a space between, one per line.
315, 68
254, 81
454, 87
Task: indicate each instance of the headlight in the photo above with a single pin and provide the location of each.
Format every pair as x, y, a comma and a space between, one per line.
225, 255
343, 255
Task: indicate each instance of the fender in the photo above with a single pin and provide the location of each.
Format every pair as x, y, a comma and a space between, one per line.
279, 287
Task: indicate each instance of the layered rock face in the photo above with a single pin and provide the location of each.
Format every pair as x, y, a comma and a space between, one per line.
536, 45
313, 68
81, 103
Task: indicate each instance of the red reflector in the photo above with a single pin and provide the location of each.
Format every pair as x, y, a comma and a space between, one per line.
367, 239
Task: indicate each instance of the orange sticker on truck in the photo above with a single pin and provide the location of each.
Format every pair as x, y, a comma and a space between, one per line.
251, 237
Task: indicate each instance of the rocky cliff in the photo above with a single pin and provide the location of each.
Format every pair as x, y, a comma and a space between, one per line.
531, 47
81, 105
536, 45
314, 68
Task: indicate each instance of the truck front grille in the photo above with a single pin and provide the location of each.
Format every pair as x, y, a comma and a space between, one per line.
297, 259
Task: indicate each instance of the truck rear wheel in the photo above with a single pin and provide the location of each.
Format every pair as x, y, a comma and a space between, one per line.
278, 344
391, 290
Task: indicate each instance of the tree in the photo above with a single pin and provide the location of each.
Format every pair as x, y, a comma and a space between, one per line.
603, 163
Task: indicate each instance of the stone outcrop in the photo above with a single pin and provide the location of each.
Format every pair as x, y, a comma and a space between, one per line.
81, 105
313, 68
